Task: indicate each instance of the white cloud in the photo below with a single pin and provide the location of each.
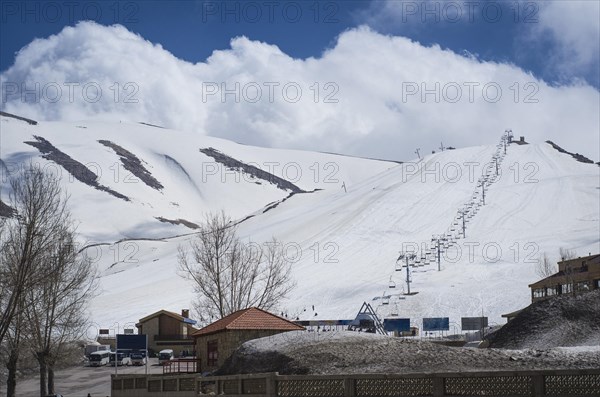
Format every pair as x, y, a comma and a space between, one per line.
573, 27
369, 75
563, 34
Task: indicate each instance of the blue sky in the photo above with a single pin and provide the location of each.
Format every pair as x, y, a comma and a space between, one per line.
192, 30
375, 79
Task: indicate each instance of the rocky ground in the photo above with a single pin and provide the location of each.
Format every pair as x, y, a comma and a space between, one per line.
349, 352
560, 321
559, 333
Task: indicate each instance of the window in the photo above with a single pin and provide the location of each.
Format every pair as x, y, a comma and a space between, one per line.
212, 352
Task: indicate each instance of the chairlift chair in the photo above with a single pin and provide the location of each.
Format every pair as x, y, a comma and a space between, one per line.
392, 284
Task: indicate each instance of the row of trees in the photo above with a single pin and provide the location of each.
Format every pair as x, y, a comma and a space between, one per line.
45, 283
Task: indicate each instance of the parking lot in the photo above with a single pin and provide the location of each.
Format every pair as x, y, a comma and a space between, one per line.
79, 381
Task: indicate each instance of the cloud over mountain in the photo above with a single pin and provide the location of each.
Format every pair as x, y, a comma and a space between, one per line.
370, 94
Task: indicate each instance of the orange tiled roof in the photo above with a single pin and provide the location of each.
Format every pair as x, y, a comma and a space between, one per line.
252, 318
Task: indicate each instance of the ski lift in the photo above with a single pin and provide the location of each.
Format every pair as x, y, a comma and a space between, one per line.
385, 300
392, 284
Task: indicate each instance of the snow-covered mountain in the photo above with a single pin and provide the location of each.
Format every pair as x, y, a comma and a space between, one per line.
343, 219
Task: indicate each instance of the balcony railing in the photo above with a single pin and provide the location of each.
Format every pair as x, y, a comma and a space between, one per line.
173, 337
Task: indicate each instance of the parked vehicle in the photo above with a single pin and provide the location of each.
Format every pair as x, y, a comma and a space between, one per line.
99, 358
89, 349
122, 359
165, 355
137, 359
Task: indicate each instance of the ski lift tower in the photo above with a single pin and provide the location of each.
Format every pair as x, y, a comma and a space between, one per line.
367, 320
407, 257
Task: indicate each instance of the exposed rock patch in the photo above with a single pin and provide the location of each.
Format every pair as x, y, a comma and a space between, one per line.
256, 172
579, 157
14, 116
72, 166
179, 221
133, 164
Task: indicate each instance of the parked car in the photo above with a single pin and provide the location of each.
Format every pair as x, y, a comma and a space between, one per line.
138, 359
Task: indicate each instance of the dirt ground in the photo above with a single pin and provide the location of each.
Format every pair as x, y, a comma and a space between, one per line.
351, 352
79, 381
560, 321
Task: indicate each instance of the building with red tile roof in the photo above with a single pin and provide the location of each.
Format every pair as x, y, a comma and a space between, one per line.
217, 341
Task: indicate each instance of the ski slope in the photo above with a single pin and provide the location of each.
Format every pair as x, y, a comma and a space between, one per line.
344, 241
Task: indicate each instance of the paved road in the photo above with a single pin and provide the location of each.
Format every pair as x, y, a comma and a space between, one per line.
79, 381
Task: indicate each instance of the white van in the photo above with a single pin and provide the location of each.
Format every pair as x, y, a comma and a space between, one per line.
165, 355
122, 359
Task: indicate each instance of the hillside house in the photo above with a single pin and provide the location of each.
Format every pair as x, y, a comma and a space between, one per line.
168, 330
217, 341
574, 276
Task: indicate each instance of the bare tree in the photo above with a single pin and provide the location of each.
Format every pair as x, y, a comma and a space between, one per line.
44, 283
56, 308
566, 254
545, 267
40, 213
229, 275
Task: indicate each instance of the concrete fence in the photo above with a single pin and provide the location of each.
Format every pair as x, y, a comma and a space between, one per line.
548, 383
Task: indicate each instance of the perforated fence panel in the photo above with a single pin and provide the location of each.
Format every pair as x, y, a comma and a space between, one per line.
154, 385
489, 386
117, 384
170, 385
311, 388
230, 386
187, 384
405, 387
140, 383
254, 386
572, 385
128, 384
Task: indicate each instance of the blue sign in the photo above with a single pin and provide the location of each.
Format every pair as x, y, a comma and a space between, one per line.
436, 324
131, 342
396, 324
473, 323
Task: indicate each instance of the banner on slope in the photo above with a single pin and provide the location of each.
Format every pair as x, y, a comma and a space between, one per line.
473, 323
436, 324
396, 324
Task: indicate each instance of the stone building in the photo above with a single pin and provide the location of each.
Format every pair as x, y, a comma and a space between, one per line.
168, 330
574, 276
217, 341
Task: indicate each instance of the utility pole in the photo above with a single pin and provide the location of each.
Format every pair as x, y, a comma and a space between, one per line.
483, 191
507, 140
438, 240
442, 146
406, 257
417, 152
